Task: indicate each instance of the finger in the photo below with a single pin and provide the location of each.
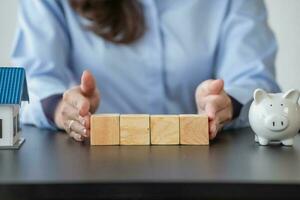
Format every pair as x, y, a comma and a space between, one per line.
224, 115
216, 86
87, 133
95, 101
218, 122
87, 120
220, 101
214, 103
220, 128
76, 99
69, 112
210, 87
76, 136
87, 125
212, 129
88, 83
77, 128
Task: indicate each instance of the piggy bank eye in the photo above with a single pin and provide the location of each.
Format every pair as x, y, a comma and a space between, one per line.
281, 104
271, 105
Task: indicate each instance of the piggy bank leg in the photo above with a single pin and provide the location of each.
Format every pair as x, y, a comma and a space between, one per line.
288, 142
262, 141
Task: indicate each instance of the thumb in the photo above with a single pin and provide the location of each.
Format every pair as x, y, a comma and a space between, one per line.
216, 86
88, 83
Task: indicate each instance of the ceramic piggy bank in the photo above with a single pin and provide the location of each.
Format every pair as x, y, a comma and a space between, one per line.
275, 117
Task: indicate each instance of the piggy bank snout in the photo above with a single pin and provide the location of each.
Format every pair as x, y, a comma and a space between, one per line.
276, 122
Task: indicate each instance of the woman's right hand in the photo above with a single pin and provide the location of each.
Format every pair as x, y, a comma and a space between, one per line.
74, 110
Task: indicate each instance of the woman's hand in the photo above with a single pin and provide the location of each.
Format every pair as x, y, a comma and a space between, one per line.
213, 100
74, 110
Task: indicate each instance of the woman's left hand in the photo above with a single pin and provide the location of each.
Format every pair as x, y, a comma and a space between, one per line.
212, 100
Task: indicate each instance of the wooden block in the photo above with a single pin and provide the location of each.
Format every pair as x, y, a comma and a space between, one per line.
105, 129
164, 129
193, 129
134, 130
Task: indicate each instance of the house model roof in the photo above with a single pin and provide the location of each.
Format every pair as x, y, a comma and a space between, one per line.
13, 85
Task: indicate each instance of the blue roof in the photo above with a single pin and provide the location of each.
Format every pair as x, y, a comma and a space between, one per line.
13, 85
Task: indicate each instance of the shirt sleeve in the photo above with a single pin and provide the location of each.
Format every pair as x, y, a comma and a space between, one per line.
42, 47
246, 54
49, 104
237, 106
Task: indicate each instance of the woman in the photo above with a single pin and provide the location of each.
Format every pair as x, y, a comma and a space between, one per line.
143, 56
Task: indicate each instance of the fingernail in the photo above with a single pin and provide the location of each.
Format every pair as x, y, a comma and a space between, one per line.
78, 137
87, 133
84, 132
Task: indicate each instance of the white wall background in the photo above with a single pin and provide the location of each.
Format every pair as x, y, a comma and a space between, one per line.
8, 18
284, 16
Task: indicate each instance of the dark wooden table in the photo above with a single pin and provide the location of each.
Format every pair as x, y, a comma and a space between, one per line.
51, 165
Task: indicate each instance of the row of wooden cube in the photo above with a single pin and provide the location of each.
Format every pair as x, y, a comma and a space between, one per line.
138, 129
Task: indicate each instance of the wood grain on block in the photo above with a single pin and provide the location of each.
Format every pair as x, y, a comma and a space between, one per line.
105, 129
194, 129
164, 129
134, 129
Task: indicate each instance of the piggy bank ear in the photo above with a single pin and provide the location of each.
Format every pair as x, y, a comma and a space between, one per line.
292, 95
259, 95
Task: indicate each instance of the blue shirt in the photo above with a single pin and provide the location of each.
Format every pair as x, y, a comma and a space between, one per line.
186, 42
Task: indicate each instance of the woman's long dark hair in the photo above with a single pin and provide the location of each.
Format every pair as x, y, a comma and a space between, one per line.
118, 21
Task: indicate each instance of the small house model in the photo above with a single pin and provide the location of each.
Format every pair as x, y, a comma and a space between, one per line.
13, 90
